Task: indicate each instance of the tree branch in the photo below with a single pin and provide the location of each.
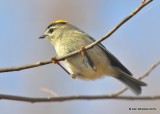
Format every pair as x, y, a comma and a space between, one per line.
69, 98
18, 68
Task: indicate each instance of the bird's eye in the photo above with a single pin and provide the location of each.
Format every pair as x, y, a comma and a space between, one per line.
51, 30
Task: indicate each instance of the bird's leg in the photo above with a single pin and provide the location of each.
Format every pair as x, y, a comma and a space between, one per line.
55, 61
84, 52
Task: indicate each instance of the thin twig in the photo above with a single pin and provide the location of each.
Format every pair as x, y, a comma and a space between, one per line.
144, 3
18, 68
69, 98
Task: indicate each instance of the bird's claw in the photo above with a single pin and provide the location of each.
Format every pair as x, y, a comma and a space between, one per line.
54, 60
82, 50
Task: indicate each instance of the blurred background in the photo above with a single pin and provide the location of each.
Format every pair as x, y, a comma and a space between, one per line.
135, 44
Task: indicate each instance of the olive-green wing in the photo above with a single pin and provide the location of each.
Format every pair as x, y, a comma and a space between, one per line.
114, 61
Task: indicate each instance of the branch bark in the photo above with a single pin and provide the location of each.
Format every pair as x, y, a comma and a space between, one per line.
18, 68
69, 98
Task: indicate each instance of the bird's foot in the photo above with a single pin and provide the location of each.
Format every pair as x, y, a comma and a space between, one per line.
54, 60
83, 50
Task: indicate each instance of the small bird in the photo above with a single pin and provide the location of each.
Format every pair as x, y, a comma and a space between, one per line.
91, 64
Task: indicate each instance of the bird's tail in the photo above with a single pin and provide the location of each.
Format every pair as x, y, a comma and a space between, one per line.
132, 83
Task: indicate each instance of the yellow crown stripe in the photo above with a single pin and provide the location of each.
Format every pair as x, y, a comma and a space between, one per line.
59, 21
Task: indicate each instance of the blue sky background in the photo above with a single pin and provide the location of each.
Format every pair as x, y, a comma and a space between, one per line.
135, 44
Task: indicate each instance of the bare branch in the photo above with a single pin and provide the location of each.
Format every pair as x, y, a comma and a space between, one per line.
69, 98
143, 3
18, 68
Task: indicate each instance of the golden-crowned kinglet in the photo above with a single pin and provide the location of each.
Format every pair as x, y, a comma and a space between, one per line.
97, 62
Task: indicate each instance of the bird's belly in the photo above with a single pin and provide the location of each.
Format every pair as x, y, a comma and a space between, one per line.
78, 65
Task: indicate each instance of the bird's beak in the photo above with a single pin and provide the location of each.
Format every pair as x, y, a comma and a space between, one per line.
42, 37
